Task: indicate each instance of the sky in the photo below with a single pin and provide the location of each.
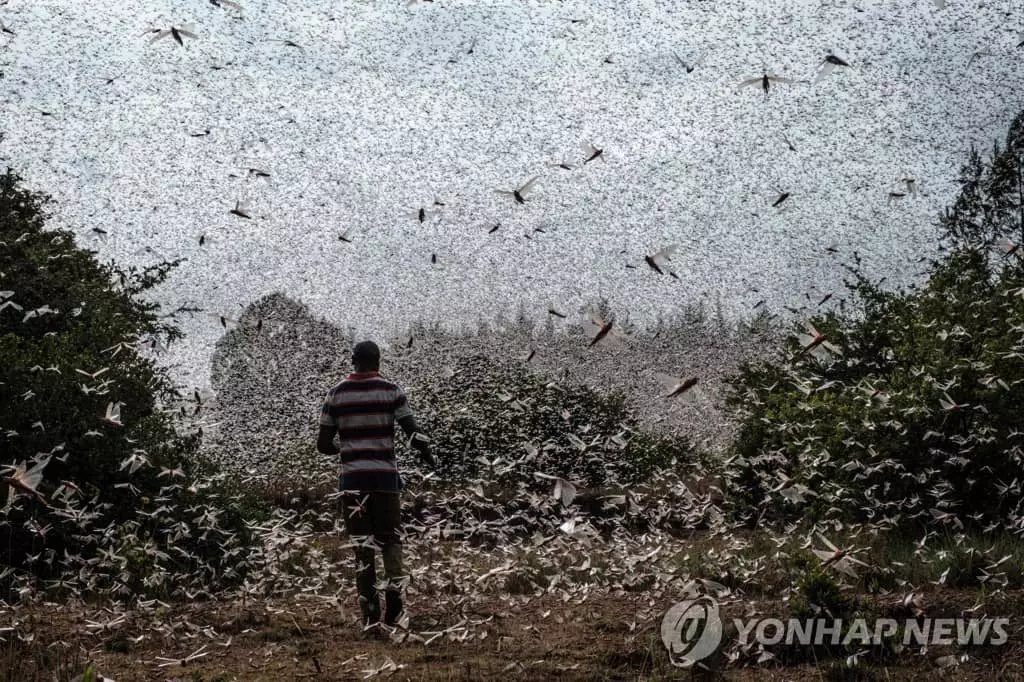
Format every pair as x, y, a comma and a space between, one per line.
381, 108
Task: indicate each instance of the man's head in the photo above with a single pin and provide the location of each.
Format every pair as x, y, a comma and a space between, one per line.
366, 357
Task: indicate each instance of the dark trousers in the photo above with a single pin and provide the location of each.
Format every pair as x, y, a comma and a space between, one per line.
373, 519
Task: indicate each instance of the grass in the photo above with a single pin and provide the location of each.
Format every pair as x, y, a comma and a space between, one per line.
895, 561
39, 661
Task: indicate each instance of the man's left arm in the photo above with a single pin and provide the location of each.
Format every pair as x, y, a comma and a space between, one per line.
328, 430
404, 417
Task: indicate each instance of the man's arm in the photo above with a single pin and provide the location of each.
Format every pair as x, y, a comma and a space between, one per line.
325, 440
328, 429
405, 418
408, 424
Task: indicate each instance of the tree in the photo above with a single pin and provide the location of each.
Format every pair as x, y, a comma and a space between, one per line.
909, 412
81, 396
990, 206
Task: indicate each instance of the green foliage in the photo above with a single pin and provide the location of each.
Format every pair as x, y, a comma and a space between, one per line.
93, 325
817, 592
75, 339
913, 416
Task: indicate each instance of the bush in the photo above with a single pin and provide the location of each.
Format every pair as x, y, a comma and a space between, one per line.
819, 594
910, 412
491, 410
75, 340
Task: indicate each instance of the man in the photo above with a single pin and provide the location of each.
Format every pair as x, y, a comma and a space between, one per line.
362, 411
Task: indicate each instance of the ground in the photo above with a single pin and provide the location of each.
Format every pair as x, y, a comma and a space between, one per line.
522, 638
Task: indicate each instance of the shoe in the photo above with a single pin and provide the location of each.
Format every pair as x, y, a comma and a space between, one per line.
392, 607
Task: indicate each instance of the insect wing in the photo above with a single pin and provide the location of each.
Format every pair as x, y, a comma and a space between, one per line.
592, 325
528, 184
824, 71
34, 476
806, 339
564, 491
662, 257
1007, 246
667, 381
827, 543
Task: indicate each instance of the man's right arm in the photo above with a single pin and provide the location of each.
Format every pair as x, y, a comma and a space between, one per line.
328, 429
325, 440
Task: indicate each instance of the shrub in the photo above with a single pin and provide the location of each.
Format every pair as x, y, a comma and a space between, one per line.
490, 410
818, 591
75, 340
909, 413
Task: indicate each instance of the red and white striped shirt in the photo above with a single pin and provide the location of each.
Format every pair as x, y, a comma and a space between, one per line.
364, 408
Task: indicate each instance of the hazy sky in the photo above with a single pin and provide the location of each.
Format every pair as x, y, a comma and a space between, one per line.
386, 107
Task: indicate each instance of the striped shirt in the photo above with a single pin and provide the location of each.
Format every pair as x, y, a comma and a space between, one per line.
364, 408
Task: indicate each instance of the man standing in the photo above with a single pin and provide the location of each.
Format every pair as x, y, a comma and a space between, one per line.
362, 411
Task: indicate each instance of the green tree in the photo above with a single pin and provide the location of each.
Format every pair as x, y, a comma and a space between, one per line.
77, 346
911, 412
990, 206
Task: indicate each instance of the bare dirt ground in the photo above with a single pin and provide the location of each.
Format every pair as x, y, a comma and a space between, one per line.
522, 638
